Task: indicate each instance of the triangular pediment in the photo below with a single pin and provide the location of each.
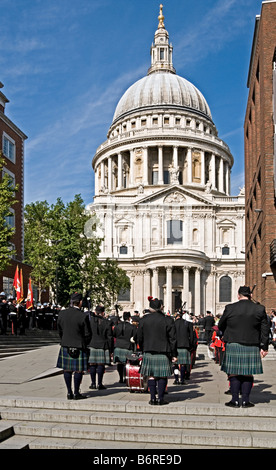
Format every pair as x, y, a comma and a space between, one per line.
175, 195
225, 223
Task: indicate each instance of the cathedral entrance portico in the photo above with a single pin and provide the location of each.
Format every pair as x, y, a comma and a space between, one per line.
175, 285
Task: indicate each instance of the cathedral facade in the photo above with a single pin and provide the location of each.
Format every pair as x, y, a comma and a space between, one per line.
162, 194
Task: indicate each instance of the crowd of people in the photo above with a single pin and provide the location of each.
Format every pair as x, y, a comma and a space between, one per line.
15, 317
92, 340
89, 340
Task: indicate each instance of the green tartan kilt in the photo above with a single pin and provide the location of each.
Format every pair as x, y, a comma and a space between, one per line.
99, 356
156, 365
120, 355
240, 359
66, 362
183, 356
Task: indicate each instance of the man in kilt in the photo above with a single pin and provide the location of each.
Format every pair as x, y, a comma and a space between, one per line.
100, 346
245, 331
75, 333
156, 337
184, 341
123, 333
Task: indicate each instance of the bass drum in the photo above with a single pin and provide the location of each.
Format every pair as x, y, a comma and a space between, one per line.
135, 382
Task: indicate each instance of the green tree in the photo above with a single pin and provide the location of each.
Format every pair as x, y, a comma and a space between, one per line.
65, 254
7, 200
38, 251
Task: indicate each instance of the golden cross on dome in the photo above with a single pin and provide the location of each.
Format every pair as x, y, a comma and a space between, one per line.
161, 18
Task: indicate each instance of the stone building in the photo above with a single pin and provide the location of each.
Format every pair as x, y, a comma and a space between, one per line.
260, 159
162, 194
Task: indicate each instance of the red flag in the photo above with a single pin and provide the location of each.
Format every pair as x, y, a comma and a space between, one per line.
21, 286
30, 296
16, 284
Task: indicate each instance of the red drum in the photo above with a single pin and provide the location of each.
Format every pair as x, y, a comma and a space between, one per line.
135, 382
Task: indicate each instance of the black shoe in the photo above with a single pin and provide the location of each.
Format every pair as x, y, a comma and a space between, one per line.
79, 396
228, 392
101, 387
176, 382
70, 396
153, 402
162, 402
183, 382
247, 404
233, 404
92, 386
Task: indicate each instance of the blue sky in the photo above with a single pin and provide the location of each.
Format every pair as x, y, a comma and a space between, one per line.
66, 64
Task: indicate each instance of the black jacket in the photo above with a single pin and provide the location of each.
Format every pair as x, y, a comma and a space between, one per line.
246, 323
208, 322
74, 328
156, 334
101, 333
184, 334
123, 332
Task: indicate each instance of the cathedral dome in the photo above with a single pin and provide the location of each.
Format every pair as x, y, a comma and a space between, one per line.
162, 89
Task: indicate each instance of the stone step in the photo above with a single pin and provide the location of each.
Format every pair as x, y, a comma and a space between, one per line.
136, 435
233, 423
86, 423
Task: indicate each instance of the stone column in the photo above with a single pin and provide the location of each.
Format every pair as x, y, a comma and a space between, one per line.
160, 165
110, 173
185, 290
202, 167
120, 171
221, 175
147, 289
146, 168
175, 156
169, 288
102, 175
197, 291
212, 176
155, 286
189, 165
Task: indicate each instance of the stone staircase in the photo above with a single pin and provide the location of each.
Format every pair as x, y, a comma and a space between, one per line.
11, 345
104, 424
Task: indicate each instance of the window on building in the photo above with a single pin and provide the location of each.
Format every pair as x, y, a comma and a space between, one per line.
10, 219
9, 148
123, 250
162, 54
8, 286
174, 232
225, 289
124, 295
154, 120
166, 120
177, 121
225, 250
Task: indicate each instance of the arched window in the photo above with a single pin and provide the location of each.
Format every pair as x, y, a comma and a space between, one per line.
225, 289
